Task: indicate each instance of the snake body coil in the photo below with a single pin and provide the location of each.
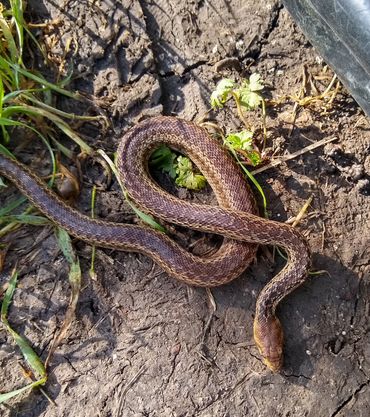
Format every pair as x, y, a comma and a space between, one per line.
235, 218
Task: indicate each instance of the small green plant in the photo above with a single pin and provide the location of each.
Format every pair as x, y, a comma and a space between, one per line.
221, 93
247, 93
178, 167
242, 142
186, 177
248, 97
165, 160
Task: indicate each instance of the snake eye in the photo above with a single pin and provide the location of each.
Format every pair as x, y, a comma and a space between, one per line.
268, 335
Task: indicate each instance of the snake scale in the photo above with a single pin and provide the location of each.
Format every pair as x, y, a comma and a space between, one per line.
235, 218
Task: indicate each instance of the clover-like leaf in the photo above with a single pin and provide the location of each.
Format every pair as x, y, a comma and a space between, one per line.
249, 92
255, 82
221, 93
164, 159
186, 177
240, 140
254, 157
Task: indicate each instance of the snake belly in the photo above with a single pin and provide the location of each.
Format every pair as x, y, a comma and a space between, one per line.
235, 218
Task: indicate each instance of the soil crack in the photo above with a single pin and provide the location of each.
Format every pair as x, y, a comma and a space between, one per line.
185, 71
226, 394
260, 39
347, 400
296, 376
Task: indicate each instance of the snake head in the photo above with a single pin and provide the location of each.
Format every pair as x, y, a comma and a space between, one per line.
268, 336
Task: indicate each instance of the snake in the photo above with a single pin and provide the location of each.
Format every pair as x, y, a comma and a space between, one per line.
235, 217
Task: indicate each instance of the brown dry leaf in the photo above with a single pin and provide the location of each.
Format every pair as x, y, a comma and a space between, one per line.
68, 184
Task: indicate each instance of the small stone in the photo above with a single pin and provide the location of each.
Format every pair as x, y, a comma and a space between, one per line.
355, 172
332, 149
239, 45
363, 186
331, 169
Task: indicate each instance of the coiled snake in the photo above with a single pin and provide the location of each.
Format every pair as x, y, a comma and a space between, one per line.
235, 218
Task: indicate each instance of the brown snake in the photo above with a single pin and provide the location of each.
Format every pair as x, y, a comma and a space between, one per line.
235, 218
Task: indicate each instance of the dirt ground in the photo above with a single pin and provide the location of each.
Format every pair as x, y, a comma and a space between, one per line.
135, 346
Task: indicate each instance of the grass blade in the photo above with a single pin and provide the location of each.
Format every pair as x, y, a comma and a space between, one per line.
74, 278
57, 111
255, 182
146, 218
1, 95
25, 219
8, 296
28, 353
66, 247
11, 206
8, 395
60, 123
7, 33
17, 11
6, 152
42, 81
